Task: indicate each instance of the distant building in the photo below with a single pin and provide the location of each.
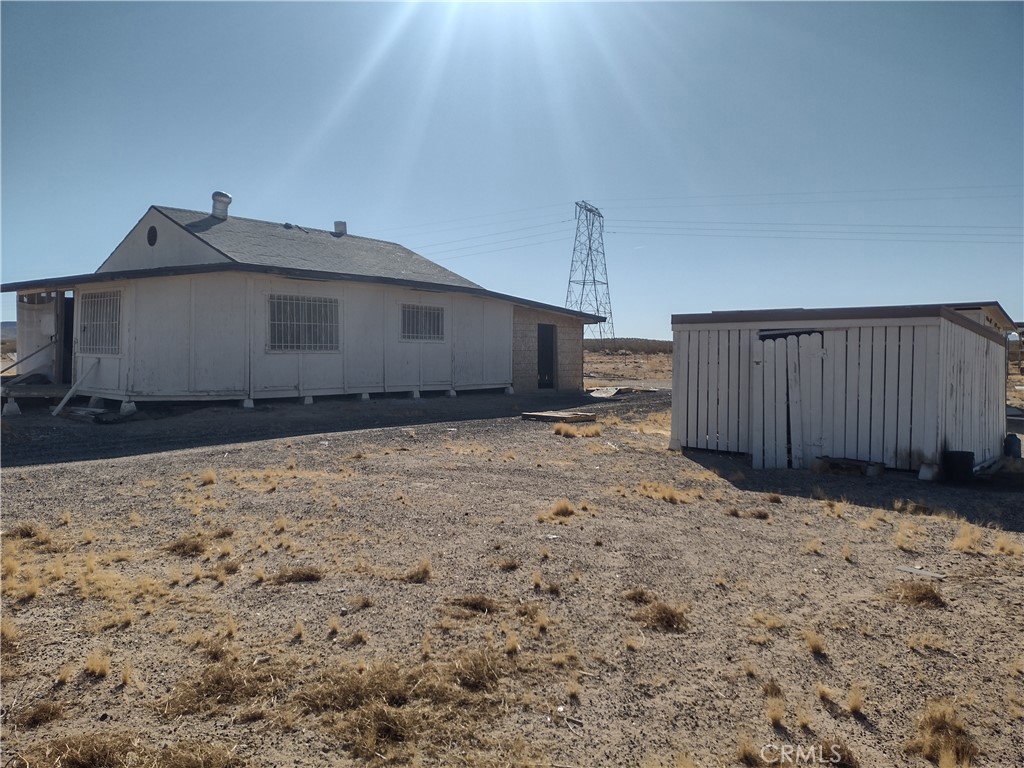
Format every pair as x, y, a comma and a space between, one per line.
204, 305
896, 385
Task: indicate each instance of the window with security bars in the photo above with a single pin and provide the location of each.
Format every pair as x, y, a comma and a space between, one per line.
421, 323
100, 315
302, 323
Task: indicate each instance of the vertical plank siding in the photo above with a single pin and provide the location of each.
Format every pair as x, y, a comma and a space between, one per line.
973, 378
898, 393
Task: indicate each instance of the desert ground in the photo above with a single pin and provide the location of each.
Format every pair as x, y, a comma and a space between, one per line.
441, 582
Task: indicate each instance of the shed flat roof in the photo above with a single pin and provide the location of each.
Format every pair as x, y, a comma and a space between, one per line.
810, 316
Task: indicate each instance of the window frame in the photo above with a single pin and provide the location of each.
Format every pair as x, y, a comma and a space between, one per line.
309, 325
429, 320
99, 320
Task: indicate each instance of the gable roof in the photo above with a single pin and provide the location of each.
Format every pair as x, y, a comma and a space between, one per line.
289, 250
288, 246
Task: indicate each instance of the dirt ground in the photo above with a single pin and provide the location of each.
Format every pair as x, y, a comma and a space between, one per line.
440, 582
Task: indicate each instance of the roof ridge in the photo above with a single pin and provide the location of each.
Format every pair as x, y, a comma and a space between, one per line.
283, 223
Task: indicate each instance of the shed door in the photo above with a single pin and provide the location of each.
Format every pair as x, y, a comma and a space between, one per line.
545, 356
786, 401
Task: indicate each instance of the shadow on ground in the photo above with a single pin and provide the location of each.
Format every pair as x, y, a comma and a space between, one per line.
992, 501
36, 437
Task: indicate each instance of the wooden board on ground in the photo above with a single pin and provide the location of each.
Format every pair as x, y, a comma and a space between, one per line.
563, 416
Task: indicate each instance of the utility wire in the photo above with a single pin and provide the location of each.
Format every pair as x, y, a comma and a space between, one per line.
819, 192
495, 234
566, 239
812, 237
813, 224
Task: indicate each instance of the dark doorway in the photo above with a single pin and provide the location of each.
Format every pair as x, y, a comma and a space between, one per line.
65, 341
545, 356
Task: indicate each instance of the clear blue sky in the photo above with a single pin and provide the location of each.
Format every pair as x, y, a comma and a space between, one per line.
744, 155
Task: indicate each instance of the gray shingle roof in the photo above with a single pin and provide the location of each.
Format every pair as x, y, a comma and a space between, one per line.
288, 246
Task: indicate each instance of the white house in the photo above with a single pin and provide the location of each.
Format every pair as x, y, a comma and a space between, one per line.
897, 385
206, 305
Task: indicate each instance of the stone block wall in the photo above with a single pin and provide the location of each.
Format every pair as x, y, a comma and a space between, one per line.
568, 349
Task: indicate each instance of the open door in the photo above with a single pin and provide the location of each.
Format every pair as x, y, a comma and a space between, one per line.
545, 356
65, 338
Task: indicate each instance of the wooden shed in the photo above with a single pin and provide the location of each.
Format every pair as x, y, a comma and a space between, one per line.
197, 305
896, 385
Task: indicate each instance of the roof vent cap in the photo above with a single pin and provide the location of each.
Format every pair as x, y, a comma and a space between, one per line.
221, 201
340, 228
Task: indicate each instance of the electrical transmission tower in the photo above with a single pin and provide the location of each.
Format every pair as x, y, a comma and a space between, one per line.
588, 276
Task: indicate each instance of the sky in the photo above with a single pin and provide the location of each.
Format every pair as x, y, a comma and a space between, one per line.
743, 155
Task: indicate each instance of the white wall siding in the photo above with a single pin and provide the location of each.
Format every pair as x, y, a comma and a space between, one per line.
712, 371
892, 391
208, 337
974, 376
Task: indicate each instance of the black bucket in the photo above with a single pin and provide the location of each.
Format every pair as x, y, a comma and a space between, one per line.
958, 466
1011, 446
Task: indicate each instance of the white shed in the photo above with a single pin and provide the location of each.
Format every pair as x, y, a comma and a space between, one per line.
203, 305
896, 385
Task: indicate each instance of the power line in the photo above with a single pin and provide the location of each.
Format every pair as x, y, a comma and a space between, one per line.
495, 234
820, 192
725, 234
825, 202
815, 224
496, 242
509, 248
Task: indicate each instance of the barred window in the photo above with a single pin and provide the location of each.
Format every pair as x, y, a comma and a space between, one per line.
421, 323
100, 315
302, 323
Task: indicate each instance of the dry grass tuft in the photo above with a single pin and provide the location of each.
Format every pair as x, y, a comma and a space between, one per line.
559, 512
224, 684
97, 663
100, 750
1005, 545
41, 713
924, 594
508, 564
662, 617
775, 710
967, 539
209, 477
748, 754
298, 574
421, 574
815, 642
906, 536
640, 596
389, 708
855, 699
578, 430
667, 493
835, 753
187, 546
942, 737
8, 634
360, 602
478, 603
812, 547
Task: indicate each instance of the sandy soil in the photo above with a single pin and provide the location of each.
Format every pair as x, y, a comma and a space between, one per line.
153, 612
601, 369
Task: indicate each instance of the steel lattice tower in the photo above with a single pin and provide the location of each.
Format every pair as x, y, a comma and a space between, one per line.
588, 276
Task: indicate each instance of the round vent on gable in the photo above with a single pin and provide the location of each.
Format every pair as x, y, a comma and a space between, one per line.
151, 236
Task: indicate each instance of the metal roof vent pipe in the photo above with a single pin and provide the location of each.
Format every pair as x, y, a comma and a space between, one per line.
340, 228
221, 201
